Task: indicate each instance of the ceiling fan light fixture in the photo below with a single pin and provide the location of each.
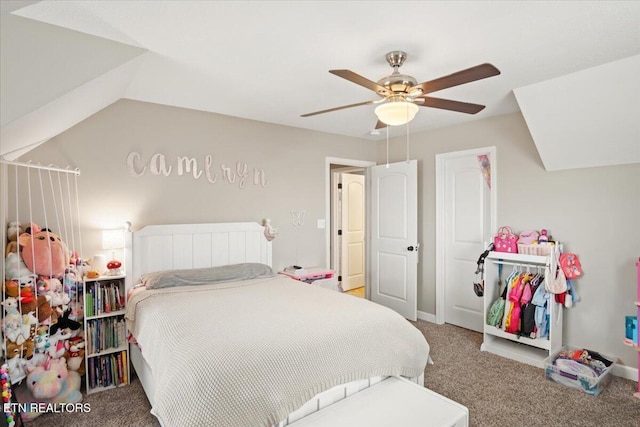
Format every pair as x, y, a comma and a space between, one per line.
396, 113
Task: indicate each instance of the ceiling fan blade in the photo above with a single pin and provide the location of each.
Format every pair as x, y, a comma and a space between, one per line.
447, 104
362, 81
465, 76
380, 125
338, 108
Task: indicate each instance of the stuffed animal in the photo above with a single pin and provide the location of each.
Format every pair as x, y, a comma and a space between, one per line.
75, 355
43, 306
79, 266
13, 328
24, 350
16, 269
58, 343
41, 340
72, 279
31, 321
12, 248
25, 295
93, 274
13, 231
28, 303
44, 253
43, 285
17, 370
65, 323
51, 383
59, 299
11, 288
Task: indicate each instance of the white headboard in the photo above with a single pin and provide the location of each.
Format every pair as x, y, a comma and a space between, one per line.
184, 246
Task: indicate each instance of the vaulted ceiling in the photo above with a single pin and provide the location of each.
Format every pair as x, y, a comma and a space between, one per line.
570, 67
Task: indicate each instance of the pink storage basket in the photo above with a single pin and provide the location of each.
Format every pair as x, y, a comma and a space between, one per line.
505, 241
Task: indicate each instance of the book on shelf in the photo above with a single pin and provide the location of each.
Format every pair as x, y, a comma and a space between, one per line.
108, 370
91, 373
125, 378
89, 302
104, 298
119, 363
98, 291
105, 333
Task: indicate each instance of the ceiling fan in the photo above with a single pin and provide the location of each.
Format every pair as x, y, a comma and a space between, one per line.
402, 94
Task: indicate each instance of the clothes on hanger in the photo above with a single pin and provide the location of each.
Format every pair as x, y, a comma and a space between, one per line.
527, 305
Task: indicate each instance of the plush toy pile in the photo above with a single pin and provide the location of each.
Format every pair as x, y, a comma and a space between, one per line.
42, 318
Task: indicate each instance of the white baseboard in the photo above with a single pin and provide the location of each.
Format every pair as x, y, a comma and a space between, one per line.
427, 317
626, 372
621, 371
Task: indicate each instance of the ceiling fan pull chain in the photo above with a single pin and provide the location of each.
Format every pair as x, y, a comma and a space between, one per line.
407, 134
387, 147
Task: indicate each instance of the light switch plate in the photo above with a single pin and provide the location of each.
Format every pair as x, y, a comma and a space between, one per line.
321, 224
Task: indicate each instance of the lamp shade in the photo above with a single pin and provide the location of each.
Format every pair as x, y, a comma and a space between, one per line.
113, 239
396, 112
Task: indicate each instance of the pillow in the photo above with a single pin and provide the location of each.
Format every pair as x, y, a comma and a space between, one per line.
205, 276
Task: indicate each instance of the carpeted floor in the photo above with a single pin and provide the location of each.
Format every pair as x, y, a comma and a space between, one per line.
497, 391
502, 392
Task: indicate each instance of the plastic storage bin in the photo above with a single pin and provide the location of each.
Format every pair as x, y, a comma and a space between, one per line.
588, 384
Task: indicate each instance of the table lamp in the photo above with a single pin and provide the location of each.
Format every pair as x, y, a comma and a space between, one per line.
112, 240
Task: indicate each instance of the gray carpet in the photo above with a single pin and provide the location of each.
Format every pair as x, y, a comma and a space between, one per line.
497, 391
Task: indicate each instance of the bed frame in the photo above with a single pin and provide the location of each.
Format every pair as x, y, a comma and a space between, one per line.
186, 246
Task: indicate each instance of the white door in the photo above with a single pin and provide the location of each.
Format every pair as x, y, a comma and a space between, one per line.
467, 223
394, 237
353, 230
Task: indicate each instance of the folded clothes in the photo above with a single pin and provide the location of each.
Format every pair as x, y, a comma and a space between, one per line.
574, 367
573, 360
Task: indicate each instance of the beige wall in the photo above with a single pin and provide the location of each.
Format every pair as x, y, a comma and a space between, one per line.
293, 161
594, 211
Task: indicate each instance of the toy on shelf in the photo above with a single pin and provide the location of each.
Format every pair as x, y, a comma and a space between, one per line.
114, 268
543, 237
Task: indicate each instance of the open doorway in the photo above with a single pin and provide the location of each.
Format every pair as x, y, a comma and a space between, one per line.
347, 223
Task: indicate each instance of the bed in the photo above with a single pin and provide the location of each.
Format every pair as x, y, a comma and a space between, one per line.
258, 350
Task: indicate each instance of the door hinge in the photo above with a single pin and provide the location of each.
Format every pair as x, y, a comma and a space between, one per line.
339, 232
339, 278
339, 186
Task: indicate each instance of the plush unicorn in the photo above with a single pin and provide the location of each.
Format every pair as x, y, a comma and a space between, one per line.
52, 383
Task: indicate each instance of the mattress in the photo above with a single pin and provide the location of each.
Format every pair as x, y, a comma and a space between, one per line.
248, 353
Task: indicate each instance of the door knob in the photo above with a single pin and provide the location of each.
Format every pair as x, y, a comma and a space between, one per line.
410, 248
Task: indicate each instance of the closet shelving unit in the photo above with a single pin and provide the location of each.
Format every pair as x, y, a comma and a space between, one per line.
512, 346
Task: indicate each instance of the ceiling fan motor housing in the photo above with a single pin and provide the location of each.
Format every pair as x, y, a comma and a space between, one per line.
396, 82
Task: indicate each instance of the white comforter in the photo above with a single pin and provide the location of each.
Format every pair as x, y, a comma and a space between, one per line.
249, 353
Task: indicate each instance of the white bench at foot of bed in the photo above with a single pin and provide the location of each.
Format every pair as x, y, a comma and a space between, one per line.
392, 402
